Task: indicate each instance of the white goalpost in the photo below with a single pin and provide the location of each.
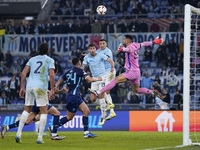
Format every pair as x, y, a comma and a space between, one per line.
191, 92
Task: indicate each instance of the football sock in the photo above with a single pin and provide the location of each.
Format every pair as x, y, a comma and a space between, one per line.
85, 123
103, 107
22, 121
110, 101
55, 122
43, 118
108, 86
62, 121
145, 91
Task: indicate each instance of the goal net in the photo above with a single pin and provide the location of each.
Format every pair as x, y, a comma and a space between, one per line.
191, 83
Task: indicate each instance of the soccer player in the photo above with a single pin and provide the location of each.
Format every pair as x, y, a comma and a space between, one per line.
36, 89
73, 78
32, 117
96, 64
109, 76
131, 64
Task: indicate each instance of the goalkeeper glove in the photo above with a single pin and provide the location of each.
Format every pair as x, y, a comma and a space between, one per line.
119, 48
158, 41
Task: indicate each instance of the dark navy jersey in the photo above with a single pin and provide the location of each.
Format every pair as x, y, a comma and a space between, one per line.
73, 78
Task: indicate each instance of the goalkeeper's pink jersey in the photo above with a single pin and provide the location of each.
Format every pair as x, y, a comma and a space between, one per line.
132, 57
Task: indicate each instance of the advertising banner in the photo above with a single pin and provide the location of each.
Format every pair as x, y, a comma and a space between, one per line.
119, 123
162, 121
59, 43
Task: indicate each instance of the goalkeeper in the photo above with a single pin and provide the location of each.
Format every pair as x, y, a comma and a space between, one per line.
132, 67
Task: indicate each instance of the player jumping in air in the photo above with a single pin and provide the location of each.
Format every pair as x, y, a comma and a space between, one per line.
36, 89
131, 64
97, 67
73, 78
109, 76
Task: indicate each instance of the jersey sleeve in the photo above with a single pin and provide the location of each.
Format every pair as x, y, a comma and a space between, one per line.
104, 57
28, 63
85, 60
51, 64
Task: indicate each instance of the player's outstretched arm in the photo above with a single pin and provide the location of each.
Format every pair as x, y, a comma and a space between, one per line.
111, 63
93, 79
59, 82
156, 41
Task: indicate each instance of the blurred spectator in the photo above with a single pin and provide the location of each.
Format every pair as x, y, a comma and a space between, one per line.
156, 86
15, 69
96, 27
111, 27
3, 99
165, 12
166, 96
180, 9
13, 86
143, 11
120, 71
157, 78
6, 90
159, 57
154, 27
122, 92
3, 69
135, 10
9, 59
172, 81
147, 81
48, 27
178, 98
143, 26
148, 54
71, 26
134, 26
173, 26
65, 10
172, 49
60, 27
104, 26
87, 27
114, 6
38, 29
134, 99
146, 70
125, 101
21, 29
57, 10
122, 5
87, 11
110, 11
142, 100
154, 8
33, 53
79, 26
169, 62
21, 62
123, 26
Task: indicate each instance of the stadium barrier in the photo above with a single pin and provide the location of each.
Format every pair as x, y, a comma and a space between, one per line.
162, 121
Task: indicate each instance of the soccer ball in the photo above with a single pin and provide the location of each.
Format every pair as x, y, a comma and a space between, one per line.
101, 10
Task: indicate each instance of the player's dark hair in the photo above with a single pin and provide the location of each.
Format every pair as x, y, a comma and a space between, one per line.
91, 45
130, 37
103, 40
75, 61
43, 49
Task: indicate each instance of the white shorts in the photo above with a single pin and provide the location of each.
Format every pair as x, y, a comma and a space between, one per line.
110, 76
37, 94
98, 84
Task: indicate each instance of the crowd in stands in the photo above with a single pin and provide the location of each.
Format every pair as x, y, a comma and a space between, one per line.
160, 70
165, 63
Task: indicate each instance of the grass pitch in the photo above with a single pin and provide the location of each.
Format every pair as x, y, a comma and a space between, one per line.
106, 140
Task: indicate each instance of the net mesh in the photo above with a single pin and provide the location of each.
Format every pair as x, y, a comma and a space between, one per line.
195, 77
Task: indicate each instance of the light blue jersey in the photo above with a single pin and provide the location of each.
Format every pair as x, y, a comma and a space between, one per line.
96, 64
39, 70
108, 53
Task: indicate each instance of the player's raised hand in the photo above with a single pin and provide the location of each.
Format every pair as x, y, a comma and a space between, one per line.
158, 41
119, 48
22, 93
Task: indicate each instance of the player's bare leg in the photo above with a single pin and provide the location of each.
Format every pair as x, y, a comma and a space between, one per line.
85, 110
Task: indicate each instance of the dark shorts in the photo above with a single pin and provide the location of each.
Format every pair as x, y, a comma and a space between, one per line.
73, 103
37, 109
